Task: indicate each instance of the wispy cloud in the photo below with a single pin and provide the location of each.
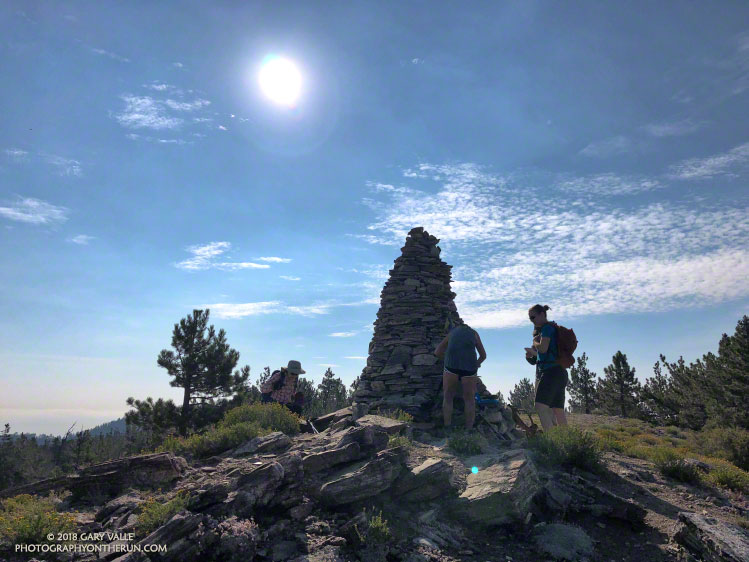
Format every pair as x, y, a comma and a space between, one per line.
145, 112
242, 310
343, 334
417, 60
519, 246
16, 154
109, 54
672, 129
609, 184
34, 211
275, 259
290, 278
187, 106
718, 164
203, 258
359, 357
82, 239
608, 147
65, 166
178, 65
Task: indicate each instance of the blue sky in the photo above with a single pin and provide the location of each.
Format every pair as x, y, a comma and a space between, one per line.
593, 158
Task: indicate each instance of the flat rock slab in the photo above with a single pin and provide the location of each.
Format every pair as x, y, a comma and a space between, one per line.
389, 425
563, 542
326, 459
374, 477
273, 441
323, 422
429, 480
713, 540
501, 493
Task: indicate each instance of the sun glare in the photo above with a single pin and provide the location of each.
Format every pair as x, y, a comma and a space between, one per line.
281, 81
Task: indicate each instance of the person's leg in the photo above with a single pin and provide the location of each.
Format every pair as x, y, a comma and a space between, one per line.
469, 399
449, 385
559, 416
545, 415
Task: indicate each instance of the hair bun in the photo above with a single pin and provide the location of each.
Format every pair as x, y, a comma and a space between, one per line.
547, 307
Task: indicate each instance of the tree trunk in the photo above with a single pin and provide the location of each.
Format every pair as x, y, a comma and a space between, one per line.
185, 414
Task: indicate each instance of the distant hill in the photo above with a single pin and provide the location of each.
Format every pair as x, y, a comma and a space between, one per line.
114, 426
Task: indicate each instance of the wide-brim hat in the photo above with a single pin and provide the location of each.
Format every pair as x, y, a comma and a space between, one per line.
295, 367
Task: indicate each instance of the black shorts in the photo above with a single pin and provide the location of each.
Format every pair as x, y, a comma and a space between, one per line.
551, 387
461, 372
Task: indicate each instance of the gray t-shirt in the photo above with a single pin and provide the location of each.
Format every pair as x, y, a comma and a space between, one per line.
461, 349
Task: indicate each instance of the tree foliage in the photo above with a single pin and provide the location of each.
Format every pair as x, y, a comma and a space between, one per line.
582, 387
523, 395
619, 391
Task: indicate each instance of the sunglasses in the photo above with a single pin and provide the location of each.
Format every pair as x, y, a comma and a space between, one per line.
532, 318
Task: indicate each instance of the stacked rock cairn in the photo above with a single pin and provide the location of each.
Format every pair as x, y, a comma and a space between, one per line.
402, 370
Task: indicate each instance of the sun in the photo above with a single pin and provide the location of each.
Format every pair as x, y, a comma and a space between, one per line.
281, 81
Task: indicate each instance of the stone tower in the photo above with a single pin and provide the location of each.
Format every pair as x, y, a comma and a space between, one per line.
402, 370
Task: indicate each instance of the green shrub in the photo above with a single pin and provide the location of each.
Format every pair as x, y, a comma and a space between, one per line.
272, 416
672, 465
569, 447
153, 513
398, 414
649, 439
638, 451
399, 441
728, 476
672, 430
730, 443
465, 443
379, 531
27, 519
214, 441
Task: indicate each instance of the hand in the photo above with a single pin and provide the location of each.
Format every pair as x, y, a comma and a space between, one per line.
530, 353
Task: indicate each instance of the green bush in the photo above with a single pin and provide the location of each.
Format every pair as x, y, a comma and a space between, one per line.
379, 531
728, 476
27, 519
214, 441
399, 441
398, 414
569, 447
153, 513
272, 416
730, 443
672, 465
465, 443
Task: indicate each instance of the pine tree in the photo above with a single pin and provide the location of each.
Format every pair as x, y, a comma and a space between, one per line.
618, 391
657, 399
582, 387
202, 366
728, 373
523, 395
688, 391
332, 392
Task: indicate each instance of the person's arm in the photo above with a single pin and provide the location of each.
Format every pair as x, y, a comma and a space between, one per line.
480, 347
542, 343
440, 351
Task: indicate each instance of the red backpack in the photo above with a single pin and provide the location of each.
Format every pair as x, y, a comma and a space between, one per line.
567, 344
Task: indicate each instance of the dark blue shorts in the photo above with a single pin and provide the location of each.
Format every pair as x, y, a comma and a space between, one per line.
461, 372
551, 387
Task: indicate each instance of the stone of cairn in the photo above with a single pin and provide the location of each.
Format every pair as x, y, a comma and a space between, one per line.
402, 371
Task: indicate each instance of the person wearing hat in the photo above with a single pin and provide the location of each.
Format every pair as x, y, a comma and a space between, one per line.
281, 386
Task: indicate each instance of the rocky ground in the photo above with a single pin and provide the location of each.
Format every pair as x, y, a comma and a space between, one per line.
316, 497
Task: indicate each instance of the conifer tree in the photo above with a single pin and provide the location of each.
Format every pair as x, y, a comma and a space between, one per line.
728, 374
688, 391
331, 392
202, 365
618, 391
582, 387
657, 399
523, 395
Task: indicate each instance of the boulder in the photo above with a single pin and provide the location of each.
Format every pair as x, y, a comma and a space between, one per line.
563, 542
429, 480
501, 493
373, 478
388, 425
273, 441
326, 459
323, 422
712, 540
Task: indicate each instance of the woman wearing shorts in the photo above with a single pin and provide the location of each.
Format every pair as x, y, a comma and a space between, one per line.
552, 377
461, 365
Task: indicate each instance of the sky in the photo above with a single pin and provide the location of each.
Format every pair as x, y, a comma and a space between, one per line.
591, 157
